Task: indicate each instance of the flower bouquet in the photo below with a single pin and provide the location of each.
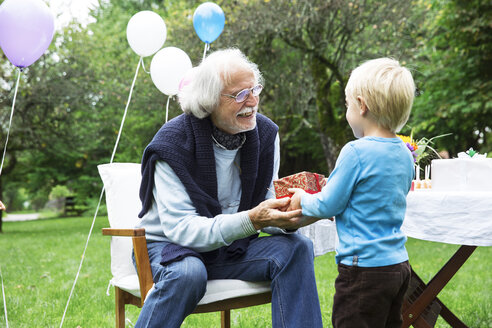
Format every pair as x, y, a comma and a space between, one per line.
423, 154
421, 149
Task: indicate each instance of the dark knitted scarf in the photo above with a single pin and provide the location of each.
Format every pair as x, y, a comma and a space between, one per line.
227, 141
185, 144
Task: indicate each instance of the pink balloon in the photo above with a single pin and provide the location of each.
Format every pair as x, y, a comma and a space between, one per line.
26, 30
186, 79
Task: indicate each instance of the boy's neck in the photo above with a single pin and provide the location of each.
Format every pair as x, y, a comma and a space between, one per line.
374, 130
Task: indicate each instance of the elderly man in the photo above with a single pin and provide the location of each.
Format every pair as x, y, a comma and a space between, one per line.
206, 192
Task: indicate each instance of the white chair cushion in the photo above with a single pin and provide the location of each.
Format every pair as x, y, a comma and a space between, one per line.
221, 289
121, 184
128, 283
217, 290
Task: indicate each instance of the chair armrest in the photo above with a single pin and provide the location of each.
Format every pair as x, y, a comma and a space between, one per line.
123, 232
141, 256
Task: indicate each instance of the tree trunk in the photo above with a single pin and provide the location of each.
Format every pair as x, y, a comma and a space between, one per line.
331, 123
330, 150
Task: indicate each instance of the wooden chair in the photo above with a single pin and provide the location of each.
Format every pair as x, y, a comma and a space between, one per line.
121, 182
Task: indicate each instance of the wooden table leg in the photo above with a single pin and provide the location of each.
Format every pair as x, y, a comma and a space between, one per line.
413, 312
445, 313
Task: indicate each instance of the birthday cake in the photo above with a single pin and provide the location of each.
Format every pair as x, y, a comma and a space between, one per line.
464, 173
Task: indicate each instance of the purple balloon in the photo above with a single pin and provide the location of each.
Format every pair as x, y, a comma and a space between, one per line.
26, 30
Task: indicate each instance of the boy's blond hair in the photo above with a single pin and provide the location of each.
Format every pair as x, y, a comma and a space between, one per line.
388, 90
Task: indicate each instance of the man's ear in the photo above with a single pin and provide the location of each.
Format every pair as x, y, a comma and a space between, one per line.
362, 105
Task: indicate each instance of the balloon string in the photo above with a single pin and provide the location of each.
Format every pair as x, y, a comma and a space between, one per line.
207, 47
83, 256
126, 109
10, 121
143, 66
102, 192
4, 300
167, 108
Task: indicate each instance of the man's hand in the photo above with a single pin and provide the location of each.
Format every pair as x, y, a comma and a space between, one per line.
269, 214
2, 207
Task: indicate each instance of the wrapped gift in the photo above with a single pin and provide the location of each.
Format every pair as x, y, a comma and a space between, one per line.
309, 182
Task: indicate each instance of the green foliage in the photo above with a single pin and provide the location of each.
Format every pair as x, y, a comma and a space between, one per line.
16, 197
455, 75
59, 191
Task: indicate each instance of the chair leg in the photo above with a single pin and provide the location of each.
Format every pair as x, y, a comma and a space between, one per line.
225, 319
120, 307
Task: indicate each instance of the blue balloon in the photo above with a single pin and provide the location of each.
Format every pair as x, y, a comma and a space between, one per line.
208, 21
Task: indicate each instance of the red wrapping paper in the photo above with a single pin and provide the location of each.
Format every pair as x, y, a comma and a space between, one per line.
309, 182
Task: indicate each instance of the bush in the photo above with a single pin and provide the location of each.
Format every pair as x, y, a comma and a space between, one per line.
59, 191
91, 205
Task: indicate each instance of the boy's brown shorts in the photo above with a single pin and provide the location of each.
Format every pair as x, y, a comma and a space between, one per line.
370, 297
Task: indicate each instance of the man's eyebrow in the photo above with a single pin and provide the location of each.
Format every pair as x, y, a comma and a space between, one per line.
236, 90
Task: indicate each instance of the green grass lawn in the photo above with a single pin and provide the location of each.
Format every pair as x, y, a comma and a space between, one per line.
39, 260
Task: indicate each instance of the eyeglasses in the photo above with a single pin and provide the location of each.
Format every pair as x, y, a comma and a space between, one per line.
242, 95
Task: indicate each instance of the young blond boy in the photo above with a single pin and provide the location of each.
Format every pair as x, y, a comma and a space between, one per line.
366, 192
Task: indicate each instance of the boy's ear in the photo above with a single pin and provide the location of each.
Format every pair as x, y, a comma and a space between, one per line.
362, 105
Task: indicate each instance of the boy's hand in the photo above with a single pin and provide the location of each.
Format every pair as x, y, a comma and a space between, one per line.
295, 203
2, 207
295, 200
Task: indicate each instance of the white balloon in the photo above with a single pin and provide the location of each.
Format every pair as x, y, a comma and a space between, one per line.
167, 69
146, 33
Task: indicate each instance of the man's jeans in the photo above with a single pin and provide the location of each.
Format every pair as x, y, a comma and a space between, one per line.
286, 260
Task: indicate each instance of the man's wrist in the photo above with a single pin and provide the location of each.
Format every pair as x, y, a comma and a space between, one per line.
248, 224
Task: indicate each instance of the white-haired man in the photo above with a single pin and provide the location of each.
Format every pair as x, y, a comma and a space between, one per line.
206, 177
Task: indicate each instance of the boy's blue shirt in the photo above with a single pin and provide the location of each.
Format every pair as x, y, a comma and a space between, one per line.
366, 192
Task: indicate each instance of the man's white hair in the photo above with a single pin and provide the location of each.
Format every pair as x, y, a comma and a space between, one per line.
201, 96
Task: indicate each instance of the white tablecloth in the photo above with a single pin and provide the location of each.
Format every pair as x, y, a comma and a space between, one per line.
452, 218
462, 218
323, 233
